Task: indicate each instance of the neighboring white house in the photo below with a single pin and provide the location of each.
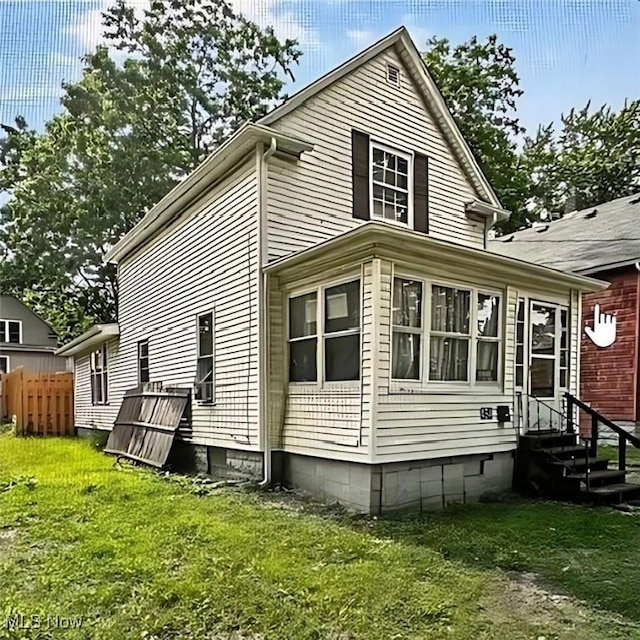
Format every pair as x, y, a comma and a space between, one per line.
322, 283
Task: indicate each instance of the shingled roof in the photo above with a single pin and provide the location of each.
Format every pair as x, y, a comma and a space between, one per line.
596, 239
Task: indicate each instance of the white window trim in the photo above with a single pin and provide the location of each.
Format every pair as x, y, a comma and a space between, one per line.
424, 384
6, 330
409, 157
321, 384
419, 331
8, 359
557, 350
100, 373
140, 343
211, 311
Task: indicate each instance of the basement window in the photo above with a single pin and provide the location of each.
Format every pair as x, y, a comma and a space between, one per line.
393, 75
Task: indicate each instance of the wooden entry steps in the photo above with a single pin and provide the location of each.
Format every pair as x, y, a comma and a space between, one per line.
553, 464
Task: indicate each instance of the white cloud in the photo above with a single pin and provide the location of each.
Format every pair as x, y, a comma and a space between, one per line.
276, 14
362, 38
88, 28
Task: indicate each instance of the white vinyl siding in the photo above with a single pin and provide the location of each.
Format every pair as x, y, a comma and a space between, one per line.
415, 421
207, 259
331, 420
311, 201
87, 414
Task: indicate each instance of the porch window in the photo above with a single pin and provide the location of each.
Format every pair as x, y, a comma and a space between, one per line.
564, 348
99, 381
462, 343
520, 333
205, 371
488, 348
390, 170
450, 334
342, 332
143, 361
335, 348
11, 331
543, 351
407, 329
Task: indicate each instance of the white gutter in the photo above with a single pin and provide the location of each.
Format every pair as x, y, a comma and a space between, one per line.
93, 336
263, 309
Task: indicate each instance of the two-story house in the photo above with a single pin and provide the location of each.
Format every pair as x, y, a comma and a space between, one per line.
26, 340
321, 283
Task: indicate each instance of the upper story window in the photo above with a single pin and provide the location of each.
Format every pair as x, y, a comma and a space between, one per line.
99, 380
390, 184
11, 331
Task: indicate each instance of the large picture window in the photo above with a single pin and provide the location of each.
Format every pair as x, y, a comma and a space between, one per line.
390, 184
337, 355
461, 342
99, 376
205, 367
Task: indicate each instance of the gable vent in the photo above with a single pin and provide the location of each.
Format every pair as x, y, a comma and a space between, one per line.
393, 75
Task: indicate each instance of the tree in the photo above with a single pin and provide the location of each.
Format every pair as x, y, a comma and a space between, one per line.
129, 131
480, 85
594, 156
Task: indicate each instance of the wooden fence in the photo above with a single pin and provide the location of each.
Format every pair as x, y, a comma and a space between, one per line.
38, 403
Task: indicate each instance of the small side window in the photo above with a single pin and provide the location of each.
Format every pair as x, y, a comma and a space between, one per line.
143, 361
205, 367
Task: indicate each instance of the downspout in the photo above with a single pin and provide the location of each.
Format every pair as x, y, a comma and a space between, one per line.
263, 310
488, 227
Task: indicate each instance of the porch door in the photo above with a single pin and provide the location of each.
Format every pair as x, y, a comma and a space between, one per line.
548, 366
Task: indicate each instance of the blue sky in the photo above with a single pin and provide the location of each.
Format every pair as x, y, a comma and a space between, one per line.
567, 51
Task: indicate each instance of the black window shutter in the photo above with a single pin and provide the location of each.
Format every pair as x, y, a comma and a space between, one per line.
421, 193
360, 174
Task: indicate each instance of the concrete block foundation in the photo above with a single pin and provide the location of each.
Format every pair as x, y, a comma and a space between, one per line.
420, 485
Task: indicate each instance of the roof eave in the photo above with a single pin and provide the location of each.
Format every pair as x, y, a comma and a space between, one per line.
225, 158
95, 335
372, 234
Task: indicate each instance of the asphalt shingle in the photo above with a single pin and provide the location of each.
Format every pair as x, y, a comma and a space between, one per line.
585, 241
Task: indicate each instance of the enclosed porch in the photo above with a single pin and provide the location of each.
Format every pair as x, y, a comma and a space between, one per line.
406, 362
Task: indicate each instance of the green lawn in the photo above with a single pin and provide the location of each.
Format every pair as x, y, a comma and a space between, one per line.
134, 554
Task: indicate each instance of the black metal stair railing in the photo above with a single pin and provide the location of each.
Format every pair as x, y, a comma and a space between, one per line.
624, 436
567, 426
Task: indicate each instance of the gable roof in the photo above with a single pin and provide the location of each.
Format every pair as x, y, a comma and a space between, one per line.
599, 238
29, 310
405, 47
